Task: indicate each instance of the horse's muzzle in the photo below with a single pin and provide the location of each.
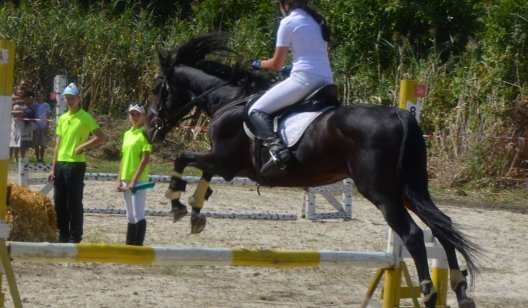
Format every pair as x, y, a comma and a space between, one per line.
157, 130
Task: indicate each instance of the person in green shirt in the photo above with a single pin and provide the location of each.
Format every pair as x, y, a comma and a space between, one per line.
69, 164
133, 171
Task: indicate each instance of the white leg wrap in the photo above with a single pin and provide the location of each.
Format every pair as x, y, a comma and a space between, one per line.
427, 297
172, 195
456, 278
197, 200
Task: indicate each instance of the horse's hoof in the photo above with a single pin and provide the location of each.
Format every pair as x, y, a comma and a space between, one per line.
178, 213
429, 294
198, 222
467, 303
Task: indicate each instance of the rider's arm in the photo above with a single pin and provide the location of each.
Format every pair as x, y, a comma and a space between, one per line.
279, 58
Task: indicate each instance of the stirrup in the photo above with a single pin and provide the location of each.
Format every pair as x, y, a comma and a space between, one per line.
272, 164
276, 161
279, 152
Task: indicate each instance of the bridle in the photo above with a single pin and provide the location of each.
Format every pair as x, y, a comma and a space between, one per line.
161, 119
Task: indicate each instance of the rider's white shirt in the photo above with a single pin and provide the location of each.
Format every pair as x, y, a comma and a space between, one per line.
302, 35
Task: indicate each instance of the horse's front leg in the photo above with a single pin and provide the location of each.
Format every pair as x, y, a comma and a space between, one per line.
197, 200
201, 160
176, 187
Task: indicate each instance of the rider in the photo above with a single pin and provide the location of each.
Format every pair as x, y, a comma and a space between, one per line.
304, 32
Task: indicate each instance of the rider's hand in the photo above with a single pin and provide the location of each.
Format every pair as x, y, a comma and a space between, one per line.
256, 64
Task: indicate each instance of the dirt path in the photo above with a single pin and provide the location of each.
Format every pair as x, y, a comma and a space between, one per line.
504, 266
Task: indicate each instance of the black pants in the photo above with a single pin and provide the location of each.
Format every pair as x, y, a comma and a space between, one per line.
69, 187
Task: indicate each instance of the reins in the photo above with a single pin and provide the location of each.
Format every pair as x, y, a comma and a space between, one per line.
196, 101
234, 103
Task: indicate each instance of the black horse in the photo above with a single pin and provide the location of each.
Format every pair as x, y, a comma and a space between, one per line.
381, 149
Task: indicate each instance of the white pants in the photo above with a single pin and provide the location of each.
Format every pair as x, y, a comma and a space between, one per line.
135, 203
288, 92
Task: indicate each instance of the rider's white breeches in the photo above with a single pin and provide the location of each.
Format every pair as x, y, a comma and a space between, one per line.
289, 91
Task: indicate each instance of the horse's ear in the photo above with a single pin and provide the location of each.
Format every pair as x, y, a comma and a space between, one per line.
165, 61
161, 58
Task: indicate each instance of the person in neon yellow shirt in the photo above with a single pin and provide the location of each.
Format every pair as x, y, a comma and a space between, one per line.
69, 164
133, 170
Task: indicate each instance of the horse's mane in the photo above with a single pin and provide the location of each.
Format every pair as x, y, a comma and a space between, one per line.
197, 53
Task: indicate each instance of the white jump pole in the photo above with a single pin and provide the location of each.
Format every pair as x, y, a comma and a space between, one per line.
344, 210
212, 214
59, 83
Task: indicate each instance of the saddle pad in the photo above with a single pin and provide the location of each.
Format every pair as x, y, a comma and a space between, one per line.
293, 126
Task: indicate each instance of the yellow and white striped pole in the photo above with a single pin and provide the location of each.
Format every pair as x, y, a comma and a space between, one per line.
7, 68
186, 256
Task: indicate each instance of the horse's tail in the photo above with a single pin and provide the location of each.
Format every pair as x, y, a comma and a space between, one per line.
414, 183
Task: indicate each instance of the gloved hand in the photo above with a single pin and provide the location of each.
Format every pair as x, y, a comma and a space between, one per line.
286, 70
256, 64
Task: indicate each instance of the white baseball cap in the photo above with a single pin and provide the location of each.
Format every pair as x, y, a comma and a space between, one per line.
71, 89
137, 107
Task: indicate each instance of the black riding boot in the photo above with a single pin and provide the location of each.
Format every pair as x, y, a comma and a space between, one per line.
263, 124
131, 234
140, 234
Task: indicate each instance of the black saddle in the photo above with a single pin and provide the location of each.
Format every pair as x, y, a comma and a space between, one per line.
321, 98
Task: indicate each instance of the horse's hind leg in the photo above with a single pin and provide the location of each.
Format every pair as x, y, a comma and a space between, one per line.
457, 280
411, 235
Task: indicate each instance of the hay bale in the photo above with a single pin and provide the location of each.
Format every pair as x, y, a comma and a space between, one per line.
31, 215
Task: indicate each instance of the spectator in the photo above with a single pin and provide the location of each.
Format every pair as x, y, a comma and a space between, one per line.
69, 164
29, 126
17, 111
27, 86
21, 130
42, 113
133, 171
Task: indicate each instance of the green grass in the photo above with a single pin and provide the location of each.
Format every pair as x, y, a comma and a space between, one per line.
158, 168
511, 199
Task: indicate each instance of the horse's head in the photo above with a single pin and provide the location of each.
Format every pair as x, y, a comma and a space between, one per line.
169, 106
173, 98
187, 78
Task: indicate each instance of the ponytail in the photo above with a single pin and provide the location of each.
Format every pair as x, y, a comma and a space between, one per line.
325, 30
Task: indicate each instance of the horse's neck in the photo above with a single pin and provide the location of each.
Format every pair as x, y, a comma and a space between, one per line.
223, 98
200, 83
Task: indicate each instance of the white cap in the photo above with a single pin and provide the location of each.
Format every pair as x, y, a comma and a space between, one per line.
71, 89
136, 107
